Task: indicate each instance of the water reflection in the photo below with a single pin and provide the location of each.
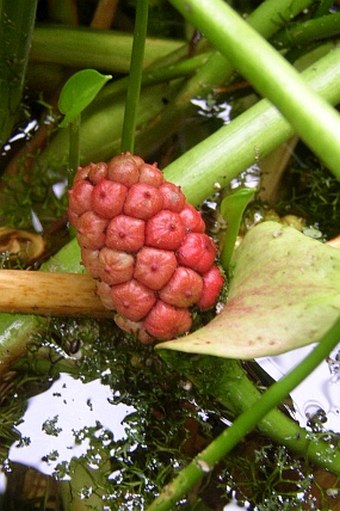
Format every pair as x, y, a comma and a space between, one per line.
317, 398
55, 422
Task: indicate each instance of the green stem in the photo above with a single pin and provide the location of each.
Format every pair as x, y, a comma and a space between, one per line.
223, 444
135, 76
312, 30
74, 149
315, 121
16, 26
154, 75
89, 48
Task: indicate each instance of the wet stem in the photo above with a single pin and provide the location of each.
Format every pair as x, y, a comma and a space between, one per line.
135, 76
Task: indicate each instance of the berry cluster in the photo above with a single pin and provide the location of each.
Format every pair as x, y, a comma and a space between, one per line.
145, 246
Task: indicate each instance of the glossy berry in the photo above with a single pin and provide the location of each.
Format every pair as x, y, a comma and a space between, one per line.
183, 289
91, 230
114, 266
167, 322
173, 197
197, 251
150, 175
145, 246
80, 197
192, 219
212, 286
143, 201
132, 299
108, 198
165, 230
125, 233
154, 267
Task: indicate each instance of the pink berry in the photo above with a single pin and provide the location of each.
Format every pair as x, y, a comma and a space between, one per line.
154, 267
80, 197
144, 245
125, 233
108, 198
104, 293
197, 251
192, 219
89, 259
91, 230
72, 217
151, 175
98, 172
83, 173
183, 289
143, 201
167, 322
115, 267
173, 197
165, 230
124, 169
137, 159
136, 328
212, 285
132, 299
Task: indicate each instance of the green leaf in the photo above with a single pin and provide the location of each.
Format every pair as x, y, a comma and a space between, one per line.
285, 293
232, 209
78, 92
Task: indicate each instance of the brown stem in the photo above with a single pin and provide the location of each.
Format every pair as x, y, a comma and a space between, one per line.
104, 15
50, 294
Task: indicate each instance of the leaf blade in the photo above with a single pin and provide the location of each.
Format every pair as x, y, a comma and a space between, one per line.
78, 92
285, 293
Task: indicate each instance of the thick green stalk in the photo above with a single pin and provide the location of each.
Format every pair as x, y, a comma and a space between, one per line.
315, 121
16, 26
88, 48
135, 76
248, 138
223, 444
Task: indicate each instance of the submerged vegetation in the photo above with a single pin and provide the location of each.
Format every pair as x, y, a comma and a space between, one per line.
207, 126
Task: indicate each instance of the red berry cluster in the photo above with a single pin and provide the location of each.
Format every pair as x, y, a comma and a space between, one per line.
145, 246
